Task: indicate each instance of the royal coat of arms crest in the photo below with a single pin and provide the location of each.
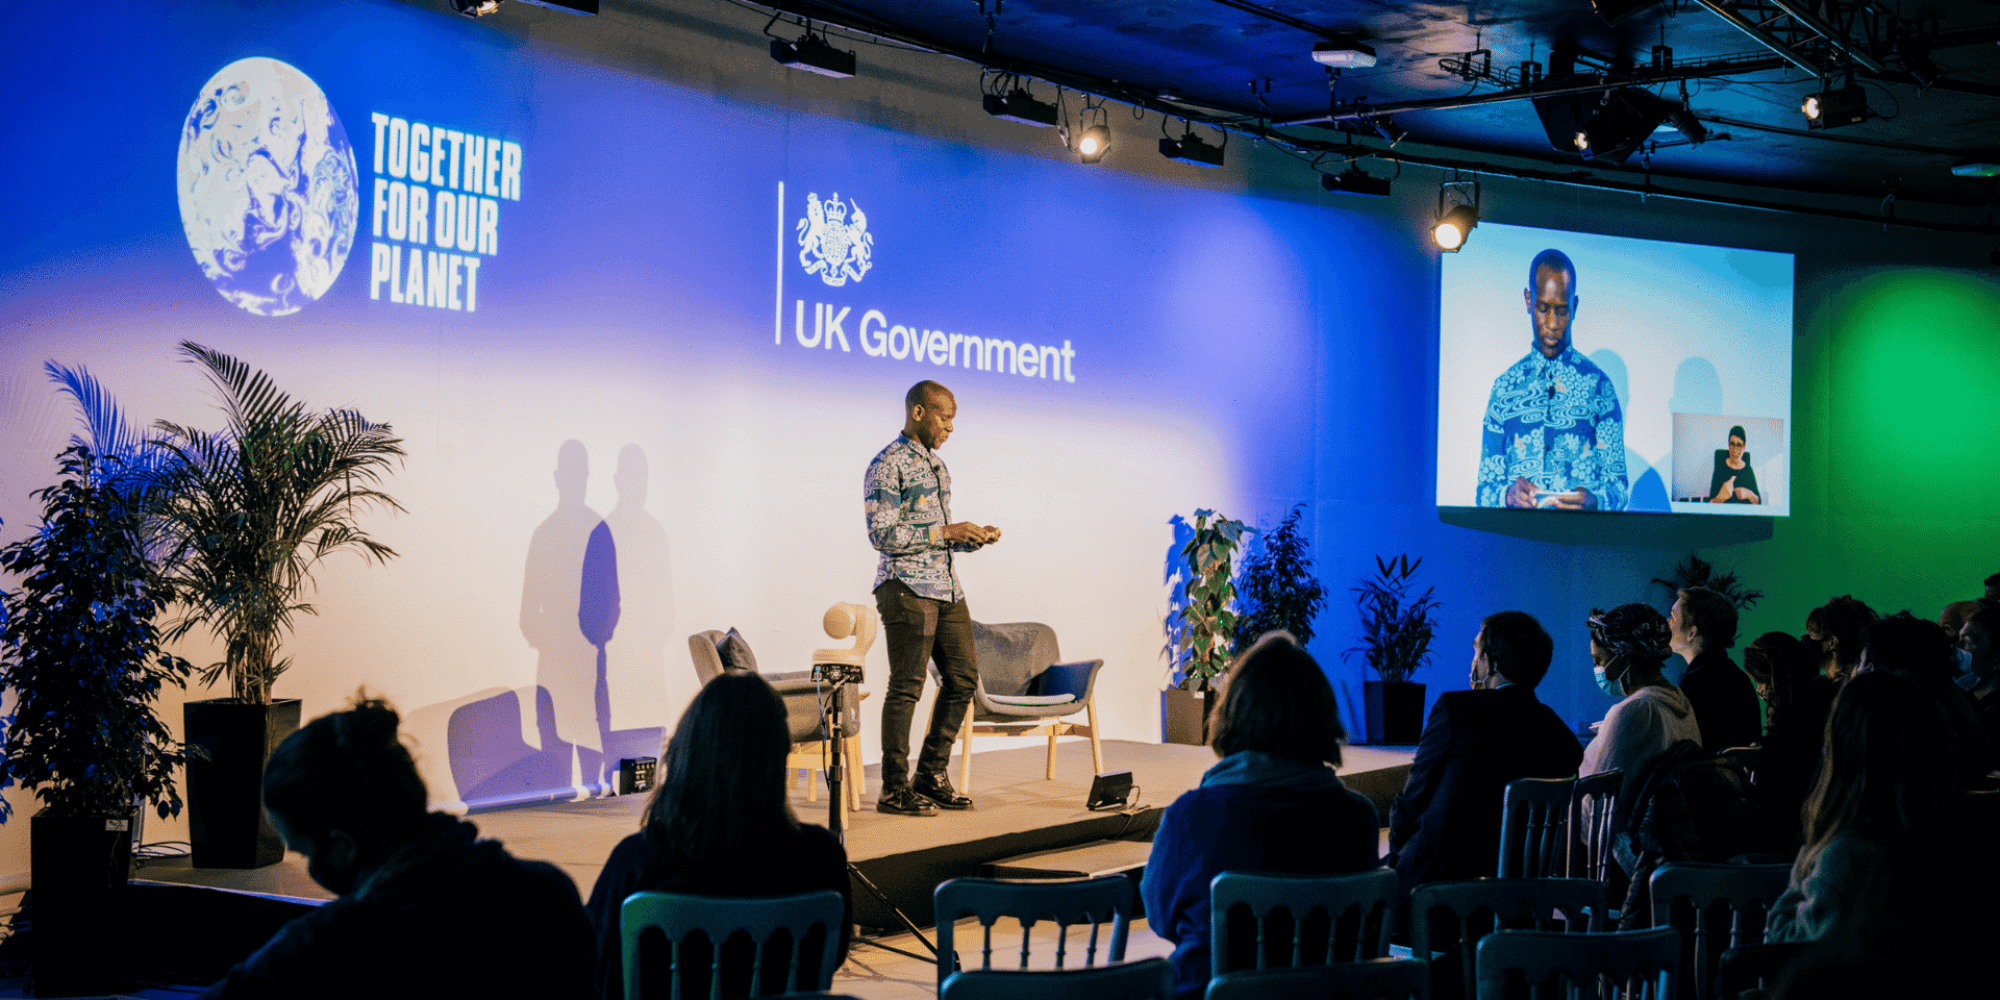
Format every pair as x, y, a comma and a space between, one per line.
834, 240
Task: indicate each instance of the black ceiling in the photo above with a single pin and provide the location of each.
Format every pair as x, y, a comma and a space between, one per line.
1249, 63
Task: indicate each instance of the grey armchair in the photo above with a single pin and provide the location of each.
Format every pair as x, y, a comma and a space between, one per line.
801, 696
1025, 689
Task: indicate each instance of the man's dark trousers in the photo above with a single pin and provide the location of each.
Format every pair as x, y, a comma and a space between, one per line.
916, 630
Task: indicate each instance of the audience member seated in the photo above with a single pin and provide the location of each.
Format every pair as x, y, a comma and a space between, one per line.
1272, 804
1446, 823
1875, 869
1905, 644
1976, 638
425, 908
1629, 646
1797, 701
1834, 632
1702, 626
718, 824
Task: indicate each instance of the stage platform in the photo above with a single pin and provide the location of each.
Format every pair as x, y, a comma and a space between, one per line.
1019, 812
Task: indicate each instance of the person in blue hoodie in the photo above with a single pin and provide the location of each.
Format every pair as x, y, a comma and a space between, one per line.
1271, 804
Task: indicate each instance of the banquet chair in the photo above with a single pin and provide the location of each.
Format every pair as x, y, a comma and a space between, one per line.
1638, 964
1448, 919
1592, 802
1534, 828
1146, 979
798, 935
1718, 907
1025, 689
1368, 979
1299, 919
1066, 903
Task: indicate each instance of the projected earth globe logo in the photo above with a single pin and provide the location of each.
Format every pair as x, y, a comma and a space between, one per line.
267, 187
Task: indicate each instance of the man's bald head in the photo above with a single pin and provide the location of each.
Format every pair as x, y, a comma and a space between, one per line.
925, 394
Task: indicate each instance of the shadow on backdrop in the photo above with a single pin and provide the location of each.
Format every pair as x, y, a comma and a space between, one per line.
1649, 490
637, 669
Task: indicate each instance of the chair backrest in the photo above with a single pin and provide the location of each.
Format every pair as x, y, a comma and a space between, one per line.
1063, 902
1300, 919
1147, 979
1448, 914
1591, 804
1716, 907
1637, 963
807, 919
1534, 828
1012, 654
1372, 979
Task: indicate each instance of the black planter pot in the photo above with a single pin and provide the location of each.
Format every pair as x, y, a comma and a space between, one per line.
1395, 711
226, 824
1184, 716
79, 867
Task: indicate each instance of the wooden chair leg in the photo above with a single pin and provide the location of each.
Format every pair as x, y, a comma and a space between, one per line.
1096, 748
1054, 727
853, 761
965, 754
812, 784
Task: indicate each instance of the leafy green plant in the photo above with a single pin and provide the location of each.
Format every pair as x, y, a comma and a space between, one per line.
80, 650
1395, 629
1276, 588
1694, 571
252, 509
1201, 633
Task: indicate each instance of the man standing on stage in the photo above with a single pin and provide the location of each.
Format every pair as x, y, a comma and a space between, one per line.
908, 496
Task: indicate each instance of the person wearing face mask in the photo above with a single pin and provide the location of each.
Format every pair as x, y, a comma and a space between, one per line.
1628, 647
1446, 823
1834, 633
425, 909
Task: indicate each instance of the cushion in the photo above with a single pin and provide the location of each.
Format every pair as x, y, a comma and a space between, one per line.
1066, 679
1031, 700
735, 653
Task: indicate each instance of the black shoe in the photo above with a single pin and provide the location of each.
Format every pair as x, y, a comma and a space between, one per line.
904, 802
938, 789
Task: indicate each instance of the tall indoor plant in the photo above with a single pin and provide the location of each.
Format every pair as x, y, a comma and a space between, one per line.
1202, 628
1396, 632
81, 651
1276, 588
250, 511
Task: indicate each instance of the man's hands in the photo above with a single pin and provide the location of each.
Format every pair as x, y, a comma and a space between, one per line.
1522, 494
969, 533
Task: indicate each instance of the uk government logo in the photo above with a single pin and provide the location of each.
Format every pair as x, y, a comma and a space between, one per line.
267, 187
836, 249
836, 246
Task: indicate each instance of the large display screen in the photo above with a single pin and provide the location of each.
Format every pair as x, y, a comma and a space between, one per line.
1580, 372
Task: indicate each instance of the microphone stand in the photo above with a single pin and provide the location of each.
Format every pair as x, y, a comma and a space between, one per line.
838, 676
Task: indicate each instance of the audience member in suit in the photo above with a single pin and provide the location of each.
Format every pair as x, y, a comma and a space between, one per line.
1446, 823
718, 824
1904, 644
1272, 804
1797, 701
1702, 628
1834, 632
425, 909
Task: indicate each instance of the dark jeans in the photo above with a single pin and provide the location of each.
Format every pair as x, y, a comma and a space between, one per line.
917, 630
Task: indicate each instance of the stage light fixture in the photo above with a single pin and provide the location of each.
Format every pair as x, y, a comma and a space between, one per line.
1018, 106
1681, 120
475, 8
1621, 122
1454, 227
1354, 180
1847, 105
1386, 127
1092, 143
811, 54
1917, 62
1191, 148
1344, 55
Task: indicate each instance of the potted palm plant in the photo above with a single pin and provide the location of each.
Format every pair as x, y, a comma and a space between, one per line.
80, 650
1276, 587
1396, 635
250, 511
1201, 627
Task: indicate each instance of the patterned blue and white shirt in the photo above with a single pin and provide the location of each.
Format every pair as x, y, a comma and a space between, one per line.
1556, 423
907, 492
